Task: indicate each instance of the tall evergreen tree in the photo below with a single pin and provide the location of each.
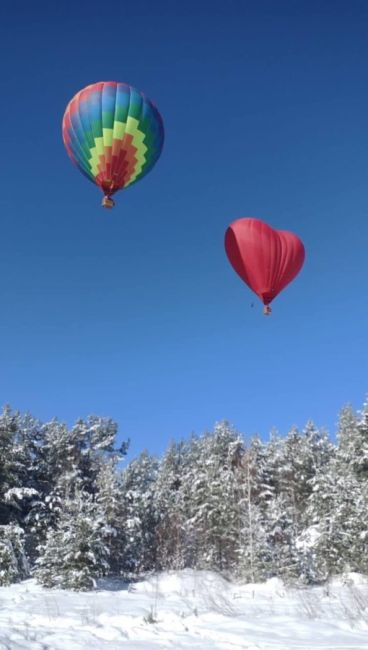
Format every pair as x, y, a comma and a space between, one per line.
168, 508
75, 552
13, 561
255, 491
214, 499
139, 517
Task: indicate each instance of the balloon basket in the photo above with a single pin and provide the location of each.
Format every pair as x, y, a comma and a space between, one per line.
267, 310
107, 202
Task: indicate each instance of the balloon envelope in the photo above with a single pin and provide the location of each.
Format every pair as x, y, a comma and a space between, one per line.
266, 259
113, 134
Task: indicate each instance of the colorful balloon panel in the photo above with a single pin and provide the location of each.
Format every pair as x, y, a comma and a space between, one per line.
267, 260
113, 133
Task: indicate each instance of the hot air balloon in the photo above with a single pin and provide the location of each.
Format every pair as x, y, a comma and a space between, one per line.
113, 134
266, 259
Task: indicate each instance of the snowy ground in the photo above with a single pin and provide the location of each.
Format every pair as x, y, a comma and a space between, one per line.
197, 610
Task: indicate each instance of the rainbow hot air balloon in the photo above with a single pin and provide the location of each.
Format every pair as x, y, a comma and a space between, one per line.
113, 134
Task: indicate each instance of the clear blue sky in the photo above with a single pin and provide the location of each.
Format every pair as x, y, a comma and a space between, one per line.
136, 313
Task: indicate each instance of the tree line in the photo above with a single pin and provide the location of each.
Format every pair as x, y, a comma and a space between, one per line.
295, 506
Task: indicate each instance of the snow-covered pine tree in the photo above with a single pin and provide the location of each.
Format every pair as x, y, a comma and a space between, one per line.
339, 515
12, 461
57, 475
281, 514
337, 510
109, 503
75, 552
17, 493
353, 440
296, 461
348, 436
191, 491
70, 459
255, 491
169, 511
13, 562
93, 442
138, 515
214, 499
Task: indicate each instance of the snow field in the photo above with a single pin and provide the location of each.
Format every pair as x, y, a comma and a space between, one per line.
187, 609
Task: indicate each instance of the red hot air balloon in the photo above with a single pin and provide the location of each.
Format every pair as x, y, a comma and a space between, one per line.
266, 259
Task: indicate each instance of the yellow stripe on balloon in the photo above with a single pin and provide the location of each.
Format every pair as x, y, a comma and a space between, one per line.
107, 137
119, 130
138, 142
96, 152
